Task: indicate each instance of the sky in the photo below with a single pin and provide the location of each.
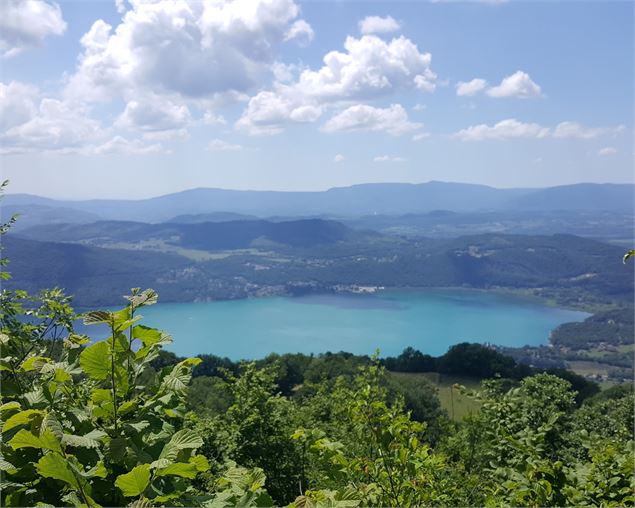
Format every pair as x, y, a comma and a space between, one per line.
138, 98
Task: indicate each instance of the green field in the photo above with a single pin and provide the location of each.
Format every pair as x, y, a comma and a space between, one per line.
453, 399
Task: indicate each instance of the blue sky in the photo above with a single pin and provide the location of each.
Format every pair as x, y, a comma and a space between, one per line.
135, 99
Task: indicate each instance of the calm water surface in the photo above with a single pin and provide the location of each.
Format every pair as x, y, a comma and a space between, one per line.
428, 320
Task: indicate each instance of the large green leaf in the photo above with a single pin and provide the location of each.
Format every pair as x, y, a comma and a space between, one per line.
95, 360
24, 439
90, 440
200, 461
180, 469
181, 440
148, 336
134, 482
53, 465
21, 418
34, 363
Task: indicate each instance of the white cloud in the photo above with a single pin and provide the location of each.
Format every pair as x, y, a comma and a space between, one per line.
268, 112
377, 24
419, 107
120, 5
420, 136
178, 47
512, 128
361, 117
218, 145
153, 114
17, 104
505, 129
338, 158
284, 73
470, 88
518, 84
122, 146
369, 67
388, 158
576, 130
607, 150
26, 23
55, 126
301, 32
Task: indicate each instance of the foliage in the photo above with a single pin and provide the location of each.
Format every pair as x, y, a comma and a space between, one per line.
92, 424
255, 431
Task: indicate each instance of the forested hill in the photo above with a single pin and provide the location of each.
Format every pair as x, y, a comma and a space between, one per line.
209, 236
567, 269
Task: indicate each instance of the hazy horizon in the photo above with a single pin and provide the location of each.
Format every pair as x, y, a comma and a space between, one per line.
177, 191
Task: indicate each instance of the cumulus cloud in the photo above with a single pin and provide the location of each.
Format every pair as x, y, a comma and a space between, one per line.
514, 129
301, 32
26, 23
505, 129
152, 114
377, 24
607, 150
388, 158
361, 117
268, 112
218, 145
17, 104
178, 47
54, 126
419, 107
120, 5
368, 68
576, 130
470, 88
338, 158
518, 84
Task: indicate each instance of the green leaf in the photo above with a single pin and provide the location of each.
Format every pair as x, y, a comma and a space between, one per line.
21, 418
134, 482
95, 360
180, 469
5, 465
148, 336
181, 440
97, 316
24, 439
146, 297
87, 441
201, 463
10, 405
54, 466
98, 470
34, 363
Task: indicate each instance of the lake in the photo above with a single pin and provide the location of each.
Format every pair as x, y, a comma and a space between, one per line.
430, 320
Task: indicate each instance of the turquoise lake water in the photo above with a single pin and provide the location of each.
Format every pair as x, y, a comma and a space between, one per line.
428, 320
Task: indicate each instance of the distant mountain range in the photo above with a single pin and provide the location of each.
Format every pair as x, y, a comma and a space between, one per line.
342, 202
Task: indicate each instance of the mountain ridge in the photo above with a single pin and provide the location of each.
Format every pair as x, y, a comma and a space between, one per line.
351, 201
